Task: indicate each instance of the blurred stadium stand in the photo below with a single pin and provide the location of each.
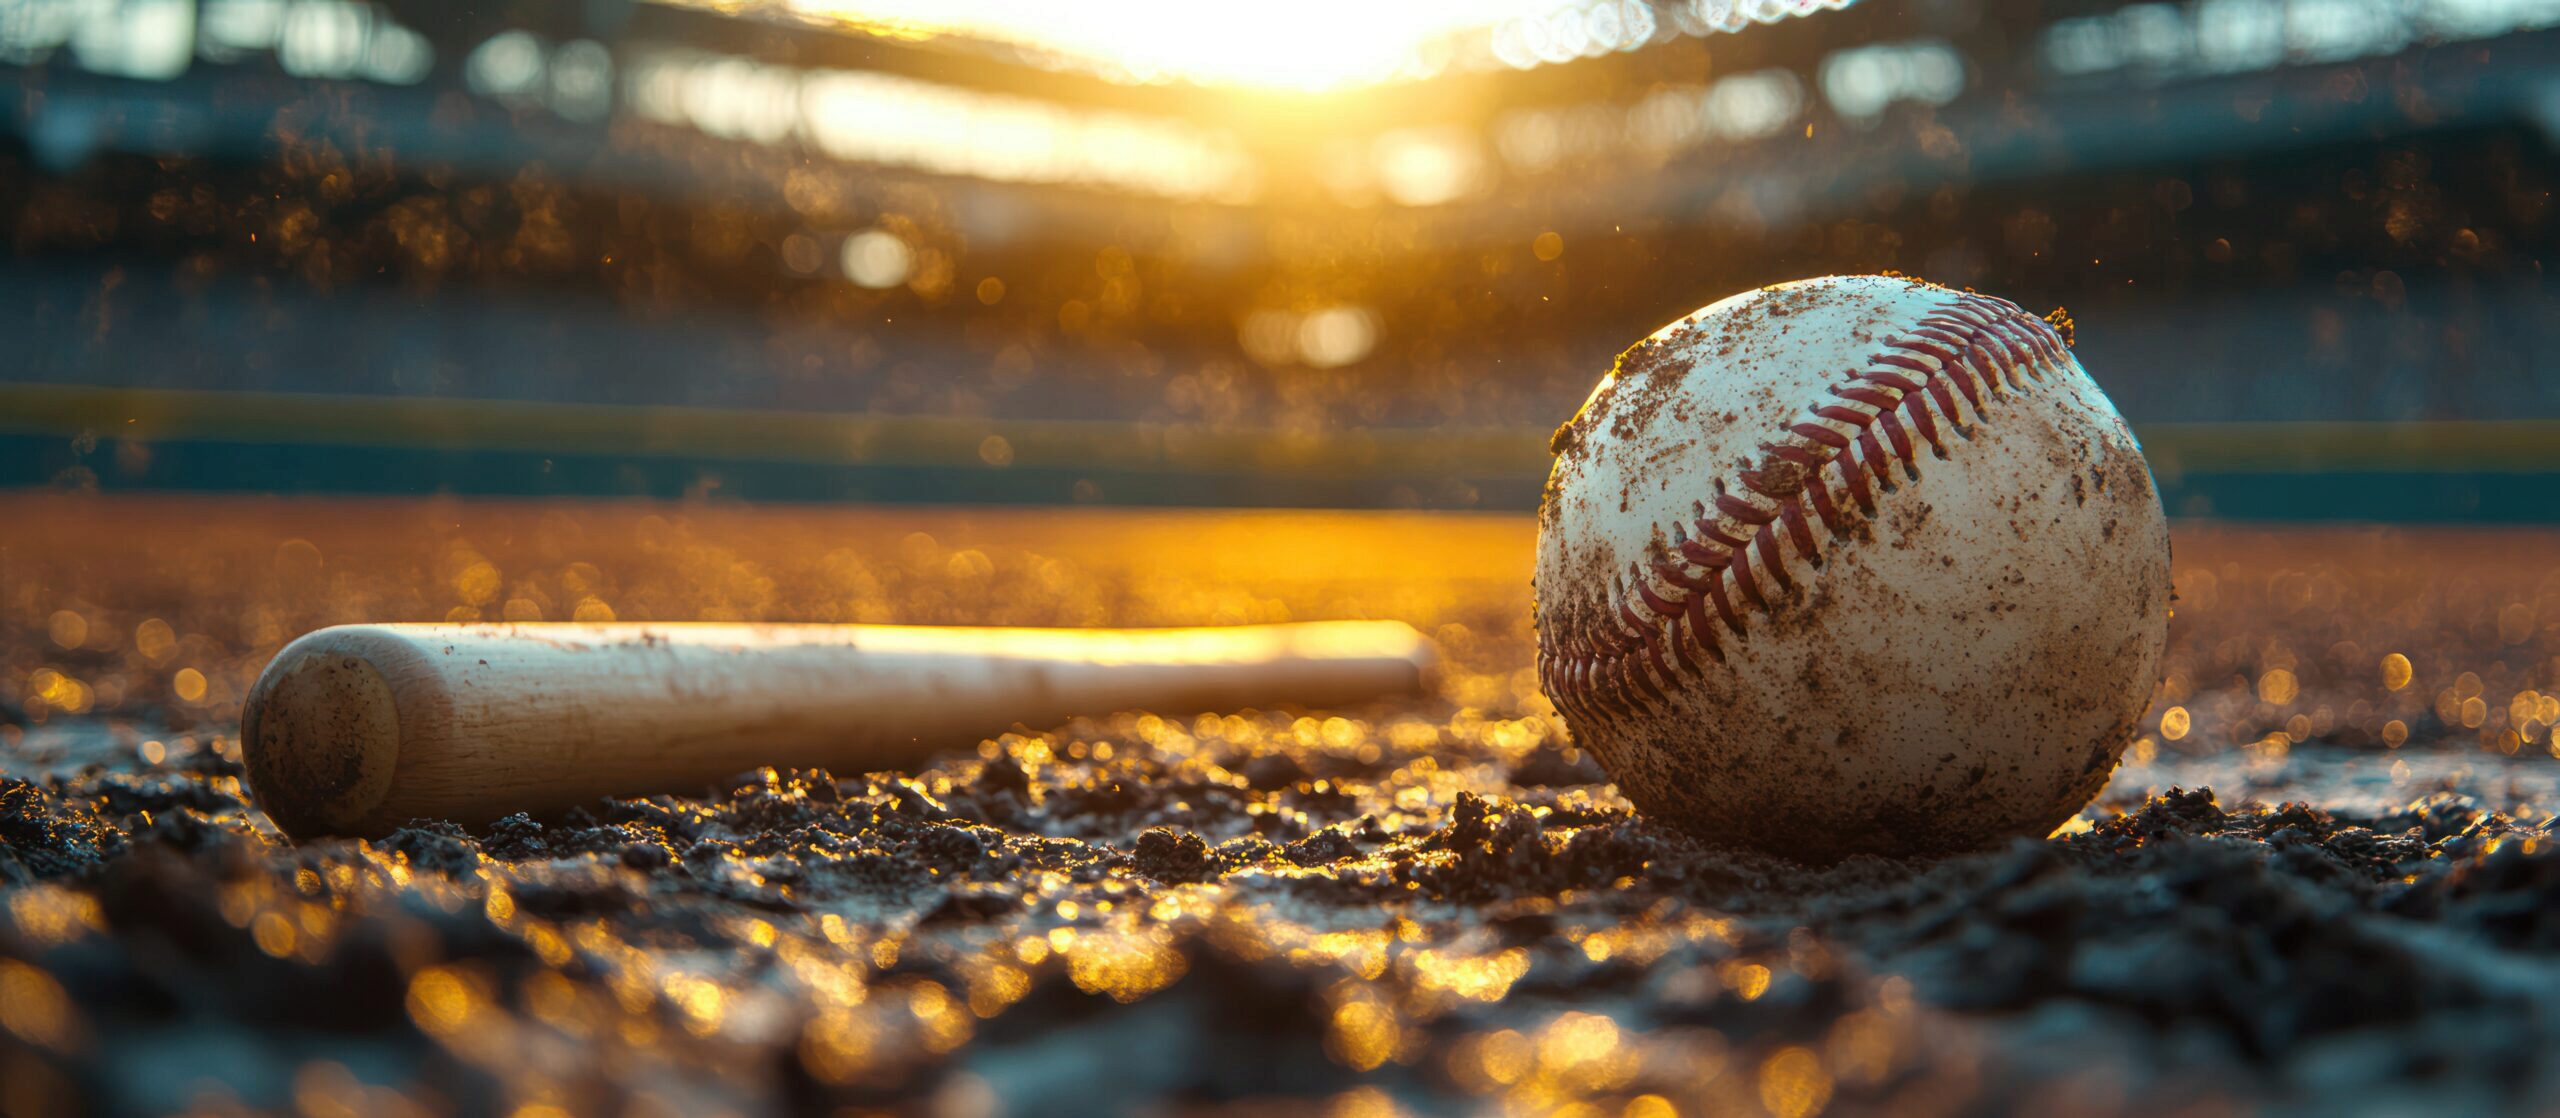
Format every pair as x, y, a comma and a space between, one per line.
613, 247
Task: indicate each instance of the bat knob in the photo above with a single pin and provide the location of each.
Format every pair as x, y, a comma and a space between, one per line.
320, 733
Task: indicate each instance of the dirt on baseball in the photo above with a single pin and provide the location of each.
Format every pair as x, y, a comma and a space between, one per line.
2323, 881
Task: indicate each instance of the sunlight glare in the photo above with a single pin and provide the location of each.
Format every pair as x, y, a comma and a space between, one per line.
1310, 45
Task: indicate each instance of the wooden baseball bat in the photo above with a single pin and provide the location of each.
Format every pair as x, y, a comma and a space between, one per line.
357, 729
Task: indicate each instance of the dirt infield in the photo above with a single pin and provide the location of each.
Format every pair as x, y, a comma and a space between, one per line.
1435, 907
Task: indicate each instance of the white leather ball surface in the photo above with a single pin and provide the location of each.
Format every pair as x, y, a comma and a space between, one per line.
1853, 564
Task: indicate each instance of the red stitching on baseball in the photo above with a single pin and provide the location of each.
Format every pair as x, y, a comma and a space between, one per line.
1970, 346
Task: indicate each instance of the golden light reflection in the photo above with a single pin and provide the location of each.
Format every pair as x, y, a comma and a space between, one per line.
1863, 1046
702, 1002
50, 915
34, 1007
1503, 1057
326, 1089
273, 933
554, 1000
2395, 671
547, 945
67, 628
1585, 1053
62, 692
943, 1022
444, 1001
1363, 1031
1793, 1083
2174, 723
996, 988
1747, 980
1483, 978
837, 1046
1649, 1106
2278, 687
155, 640
1125, 966
1362, 1102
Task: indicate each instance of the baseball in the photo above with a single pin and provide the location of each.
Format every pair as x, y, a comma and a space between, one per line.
1857, 564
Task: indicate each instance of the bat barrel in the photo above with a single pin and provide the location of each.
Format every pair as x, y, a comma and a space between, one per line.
359, 728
